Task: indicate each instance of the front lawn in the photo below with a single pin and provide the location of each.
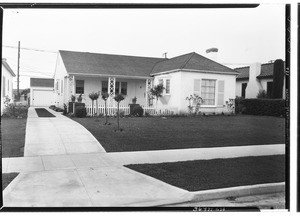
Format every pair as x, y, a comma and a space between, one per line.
217, 173
7, 179
13, 136
156, 133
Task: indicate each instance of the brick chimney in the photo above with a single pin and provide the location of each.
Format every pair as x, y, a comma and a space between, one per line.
254, 84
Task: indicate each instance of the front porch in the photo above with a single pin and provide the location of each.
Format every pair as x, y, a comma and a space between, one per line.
130, 87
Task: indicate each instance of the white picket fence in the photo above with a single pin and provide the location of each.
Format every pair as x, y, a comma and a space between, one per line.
92, 110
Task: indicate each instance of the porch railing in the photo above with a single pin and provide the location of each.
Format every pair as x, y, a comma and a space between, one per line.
92, 110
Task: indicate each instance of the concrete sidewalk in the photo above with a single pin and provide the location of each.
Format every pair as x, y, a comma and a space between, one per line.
57, 136
70, 161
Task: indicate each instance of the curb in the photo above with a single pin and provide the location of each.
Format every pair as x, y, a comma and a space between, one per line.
237, 191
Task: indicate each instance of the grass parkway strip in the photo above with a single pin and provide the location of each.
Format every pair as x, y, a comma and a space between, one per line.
42, 112
156, 133
217, 173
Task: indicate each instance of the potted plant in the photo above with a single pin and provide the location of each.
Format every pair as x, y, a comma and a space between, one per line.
73, 98
134, 100
79, 99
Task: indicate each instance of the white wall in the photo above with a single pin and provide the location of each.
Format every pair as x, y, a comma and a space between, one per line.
8, 86
182, 86
61, 97
169, 101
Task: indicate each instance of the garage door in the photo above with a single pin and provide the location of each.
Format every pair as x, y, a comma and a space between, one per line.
42, 97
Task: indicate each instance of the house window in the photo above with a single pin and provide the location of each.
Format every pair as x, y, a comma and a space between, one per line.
168, 86
61, 86
208, 88
57, 86
124, 88
161, 82
104, 86
121, 88
244, 86
79, 86
269, 89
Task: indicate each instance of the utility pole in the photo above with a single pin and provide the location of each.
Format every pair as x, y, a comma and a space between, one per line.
18, 75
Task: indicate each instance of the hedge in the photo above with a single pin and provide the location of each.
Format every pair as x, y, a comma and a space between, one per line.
268, 107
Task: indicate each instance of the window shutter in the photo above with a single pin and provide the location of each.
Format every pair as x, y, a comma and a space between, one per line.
197, 87
221, 87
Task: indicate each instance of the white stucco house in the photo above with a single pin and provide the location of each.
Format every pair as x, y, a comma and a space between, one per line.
82, 73
253, 78
7, 75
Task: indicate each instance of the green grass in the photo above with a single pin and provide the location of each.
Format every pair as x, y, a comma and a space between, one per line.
142, 134
217, 173
13, 137
7, 179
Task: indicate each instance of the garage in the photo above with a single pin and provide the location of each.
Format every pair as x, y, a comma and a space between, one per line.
42, 97
42, 92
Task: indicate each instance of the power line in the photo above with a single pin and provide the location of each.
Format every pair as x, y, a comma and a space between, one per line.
33, 49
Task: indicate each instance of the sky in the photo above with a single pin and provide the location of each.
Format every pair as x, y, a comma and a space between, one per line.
242, 36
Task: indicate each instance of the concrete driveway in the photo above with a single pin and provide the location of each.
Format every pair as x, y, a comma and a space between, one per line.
64, 165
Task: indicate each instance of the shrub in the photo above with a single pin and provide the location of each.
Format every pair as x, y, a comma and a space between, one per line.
52, 107
14, 111
262, 94
147, 114
122, 113
269, 107
80, 112
138, 111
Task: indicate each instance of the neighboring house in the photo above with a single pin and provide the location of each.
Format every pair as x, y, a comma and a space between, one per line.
24, 99
253, 78
41, 92
82, 73
7, 75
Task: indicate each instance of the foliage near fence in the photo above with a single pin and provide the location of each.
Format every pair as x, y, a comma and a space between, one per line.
268, 107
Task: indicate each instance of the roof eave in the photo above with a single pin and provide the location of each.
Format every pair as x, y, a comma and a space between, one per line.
110, 75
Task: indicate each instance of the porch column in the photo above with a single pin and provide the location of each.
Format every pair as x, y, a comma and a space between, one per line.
148, 87
71, 87
111, 91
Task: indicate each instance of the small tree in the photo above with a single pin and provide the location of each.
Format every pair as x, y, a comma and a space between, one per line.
94, 96
118, 98
195, 102
25, 93
157, 91
104, 96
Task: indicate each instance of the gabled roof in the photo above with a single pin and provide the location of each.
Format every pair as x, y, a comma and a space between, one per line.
133, 66
191, 61
94, 63
266, 71
5, 64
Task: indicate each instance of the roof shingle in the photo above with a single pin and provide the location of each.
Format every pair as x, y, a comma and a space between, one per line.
94, 63
192, 61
